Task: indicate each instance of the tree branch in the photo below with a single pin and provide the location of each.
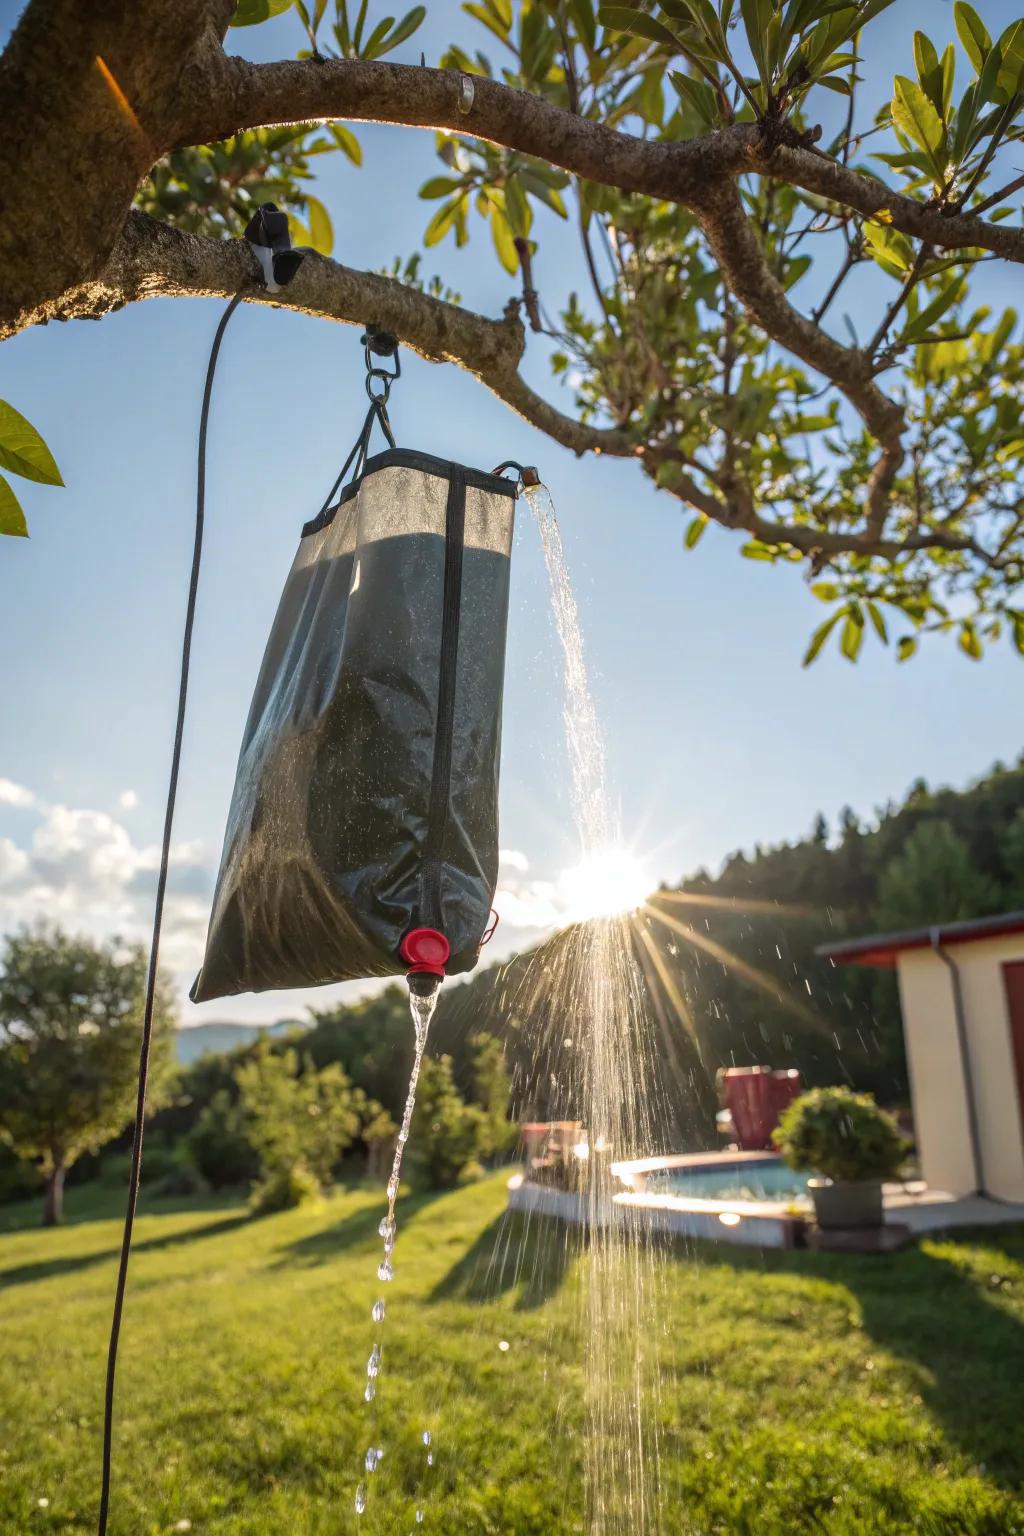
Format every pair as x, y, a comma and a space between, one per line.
309, 90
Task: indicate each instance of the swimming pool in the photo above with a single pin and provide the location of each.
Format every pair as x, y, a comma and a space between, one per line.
766, 1178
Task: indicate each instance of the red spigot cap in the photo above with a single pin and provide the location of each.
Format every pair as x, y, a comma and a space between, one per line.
425, 952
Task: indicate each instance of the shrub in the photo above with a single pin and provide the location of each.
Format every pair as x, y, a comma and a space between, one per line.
284, 1190
840, 1135
218, 1144
182, 1180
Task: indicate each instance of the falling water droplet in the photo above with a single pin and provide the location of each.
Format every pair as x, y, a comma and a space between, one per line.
392, 1187
385, 1270
427, 1437
370, 1392
387, 1226
360, 1498
373, 1364
377, 1311
419, 1517
430, 1458
373, 1458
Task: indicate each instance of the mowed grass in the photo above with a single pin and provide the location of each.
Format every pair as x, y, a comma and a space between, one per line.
799, 1393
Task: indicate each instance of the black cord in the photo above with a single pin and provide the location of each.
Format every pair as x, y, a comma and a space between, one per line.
158, 914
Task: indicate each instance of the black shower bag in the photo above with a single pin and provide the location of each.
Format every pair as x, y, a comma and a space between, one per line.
366, 798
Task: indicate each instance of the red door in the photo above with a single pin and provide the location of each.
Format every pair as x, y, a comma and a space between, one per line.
1013, 979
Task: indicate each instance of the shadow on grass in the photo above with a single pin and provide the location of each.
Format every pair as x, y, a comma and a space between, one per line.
964, 1347
513, 1253
353, 1231
68, 1264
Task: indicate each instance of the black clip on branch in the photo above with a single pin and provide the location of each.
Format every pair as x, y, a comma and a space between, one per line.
267, 233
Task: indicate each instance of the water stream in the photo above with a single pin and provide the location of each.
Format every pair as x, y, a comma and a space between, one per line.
422, 1008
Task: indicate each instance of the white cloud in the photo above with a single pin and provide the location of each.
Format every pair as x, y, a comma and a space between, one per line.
13, 861
16, 795
80, 868
128, 799
511, 858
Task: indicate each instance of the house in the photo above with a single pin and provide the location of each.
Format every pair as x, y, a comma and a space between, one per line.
962, 997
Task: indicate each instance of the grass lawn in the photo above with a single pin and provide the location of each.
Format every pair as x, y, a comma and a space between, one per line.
799, 1392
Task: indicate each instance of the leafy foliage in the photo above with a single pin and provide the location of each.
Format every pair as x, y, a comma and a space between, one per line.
840, 1135
22, 452
70, 1028
934, 880
214, 189
293, 1114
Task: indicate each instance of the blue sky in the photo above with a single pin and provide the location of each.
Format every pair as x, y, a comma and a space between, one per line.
716, 737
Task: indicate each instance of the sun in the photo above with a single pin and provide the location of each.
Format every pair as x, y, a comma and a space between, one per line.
607, 882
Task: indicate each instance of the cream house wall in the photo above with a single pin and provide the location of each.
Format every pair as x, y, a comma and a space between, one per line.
941, 1113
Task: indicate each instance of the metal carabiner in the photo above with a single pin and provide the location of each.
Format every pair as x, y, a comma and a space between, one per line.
378, 343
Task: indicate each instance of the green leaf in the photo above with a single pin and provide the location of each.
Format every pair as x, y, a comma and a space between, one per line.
819, 637
968, 641
504, 243
517, 208
1017, 630
825, 591
321, 234
439, 186
757, 15
914, 115
852, 637
972, 33
933, 312
906, 645
878, 621
442, 221
638, 25
12, 518
695, 532
1011, 69
375, 44
249, 13
346, 142
23, 451
410, 23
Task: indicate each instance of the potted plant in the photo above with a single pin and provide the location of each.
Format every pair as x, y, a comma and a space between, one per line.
850, 1144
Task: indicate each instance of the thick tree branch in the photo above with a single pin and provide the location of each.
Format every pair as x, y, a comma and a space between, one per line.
309, 90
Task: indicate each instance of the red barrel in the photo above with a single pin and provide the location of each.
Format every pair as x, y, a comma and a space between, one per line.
755, 1098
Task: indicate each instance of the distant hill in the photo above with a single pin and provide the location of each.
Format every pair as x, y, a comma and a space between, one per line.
210, 1039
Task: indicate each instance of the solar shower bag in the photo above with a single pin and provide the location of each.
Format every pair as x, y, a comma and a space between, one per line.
366, 797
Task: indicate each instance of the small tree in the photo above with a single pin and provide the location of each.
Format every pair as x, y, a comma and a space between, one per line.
446, 1131
294, 1114
933, 880
491, 1087
70, 1029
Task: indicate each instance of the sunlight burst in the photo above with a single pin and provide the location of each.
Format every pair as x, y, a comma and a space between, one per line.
607, 882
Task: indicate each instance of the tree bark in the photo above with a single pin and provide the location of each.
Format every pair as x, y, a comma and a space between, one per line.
53, 1196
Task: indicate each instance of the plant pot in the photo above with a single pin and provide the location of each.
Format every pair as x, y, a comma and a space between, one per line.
846, 1204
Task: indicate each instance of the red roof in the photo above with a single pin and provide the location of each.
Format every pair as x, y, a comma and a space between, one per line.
881, 949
